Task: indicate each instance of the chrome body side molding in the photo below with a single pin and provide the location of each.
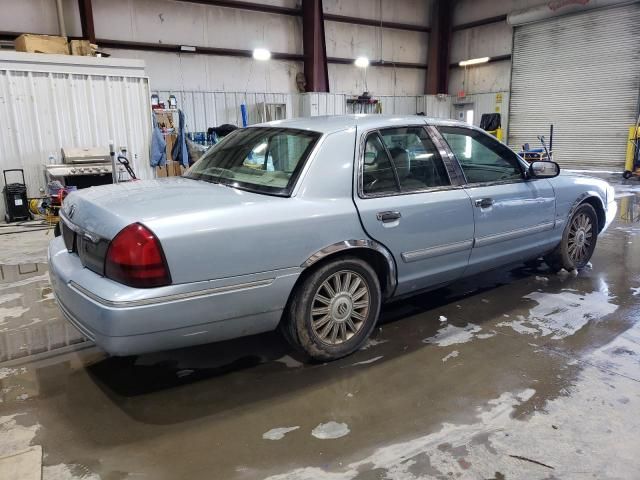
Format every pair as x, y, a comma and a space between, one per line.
431, 252
510, 235
171, 298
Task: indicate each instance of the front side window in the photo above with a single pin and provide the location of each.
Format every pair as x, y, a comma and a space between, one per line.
482, 159
263, 160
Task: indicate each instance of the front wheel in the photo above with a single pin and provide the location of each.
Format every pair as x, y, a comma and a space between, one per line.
578, 241
334, 309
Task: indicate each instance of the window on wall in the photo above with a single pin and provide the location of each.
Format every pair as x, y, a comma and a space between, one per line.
482, 158
402, 159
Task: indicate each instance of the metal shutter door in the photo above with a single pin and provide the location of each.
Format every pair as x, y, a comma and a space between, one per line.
580, 73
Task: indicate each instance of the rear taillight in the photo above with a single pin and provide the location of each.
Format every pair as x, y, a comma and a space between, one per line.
135, 258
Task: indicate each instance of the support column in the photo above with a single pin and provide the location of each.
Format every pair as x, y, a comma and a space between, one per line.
86, 20
314, 46
437, 80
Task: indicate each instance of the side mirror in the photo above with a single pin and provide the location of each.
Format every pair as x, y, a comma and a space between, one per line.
544, 169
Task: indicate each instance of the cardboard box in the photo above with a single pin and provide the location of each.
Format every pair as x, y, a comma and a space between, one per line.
82, 48
42, 44
171, 169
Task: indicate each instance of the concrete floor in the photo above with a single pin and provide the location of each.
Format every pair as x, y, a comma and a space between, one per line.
517, 374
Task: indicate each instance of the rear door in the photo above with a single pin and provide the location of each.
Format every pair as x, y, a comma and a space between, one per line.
411, 199
513, 215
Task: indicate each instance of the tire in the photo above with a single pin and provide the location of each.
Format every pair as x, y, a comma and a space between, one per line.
627, 174
7, 218
578, 241
56, 230
333, 310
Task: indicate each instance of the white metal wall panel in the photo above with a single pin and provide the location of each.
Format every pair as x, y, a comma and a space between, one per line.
580, 73
209, 109
44, 111
435, 106
487, 103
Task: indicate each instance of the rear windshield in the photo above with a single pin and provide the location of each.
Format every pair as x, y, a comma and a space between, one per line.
259, 159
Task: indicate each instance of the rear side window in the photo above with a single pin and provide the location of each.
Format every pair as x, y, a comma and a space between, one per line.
416, 158
378, 176
401, 159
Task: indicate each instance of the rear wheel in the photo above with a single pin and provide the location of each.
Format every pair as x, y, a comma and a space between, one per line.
627, 174
578, 240
334, 309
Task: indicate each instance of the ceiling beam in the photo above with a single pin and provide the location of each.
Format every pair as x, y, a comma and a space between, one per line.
297, 12
480, 23
255, 7
375, 23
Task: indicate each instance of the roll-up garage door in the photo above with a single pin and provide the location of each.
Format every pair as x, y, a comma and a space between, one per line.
580, 73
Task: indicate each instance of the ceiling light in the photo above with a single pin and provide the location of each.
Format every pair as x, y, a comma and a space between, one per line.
261, 54
362, 62
474, 61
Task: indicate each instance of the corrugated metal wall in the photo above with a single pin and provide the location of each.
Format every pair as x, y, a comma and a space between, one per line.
207, 109
44, 111
436, 106
314, 104
485, 103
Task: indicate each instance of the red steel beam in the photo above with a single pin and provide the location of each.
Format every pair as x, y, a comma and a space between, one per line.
86, 20
437, 78
314, 47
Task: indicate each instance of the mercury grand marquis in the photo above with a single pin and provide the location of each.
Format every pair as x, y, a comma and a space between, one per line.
309, 225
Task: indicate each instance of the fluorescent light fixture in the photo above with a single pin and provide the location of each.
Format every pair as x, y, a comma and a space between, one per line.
362, 62
187, 48
261, 54
423, 156
474, 61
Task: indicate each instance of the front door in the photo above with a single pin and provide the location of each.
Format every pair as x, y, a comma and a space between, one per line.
513, 215
408, 203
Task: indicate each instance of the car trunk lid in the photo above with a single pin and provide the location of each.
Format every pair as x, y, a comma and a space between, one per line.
92, 217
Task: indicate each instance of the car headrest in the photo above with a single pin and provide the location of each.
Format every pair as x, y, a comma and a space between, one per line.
402, 161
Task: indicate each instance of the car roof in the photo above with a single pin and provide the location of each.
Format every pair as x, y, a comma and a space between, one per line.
335, 123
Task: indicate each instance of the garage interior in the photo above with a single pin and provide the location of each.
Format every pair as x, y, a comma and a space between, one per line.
518, 373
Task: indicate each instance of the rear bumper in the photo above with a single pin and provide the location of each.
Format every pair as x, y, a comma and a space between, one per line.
127, 321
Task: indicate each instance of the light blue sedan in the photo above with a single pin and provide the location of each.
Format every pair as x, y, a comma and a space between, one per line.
310, 225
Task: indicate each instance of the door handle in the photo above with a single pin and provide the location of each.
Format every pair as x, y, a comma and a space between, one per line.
484, 202
386, 217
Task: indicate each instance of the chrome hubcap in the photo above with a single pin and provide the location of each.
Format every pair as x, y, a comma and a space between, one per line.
340, 307
580, 236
